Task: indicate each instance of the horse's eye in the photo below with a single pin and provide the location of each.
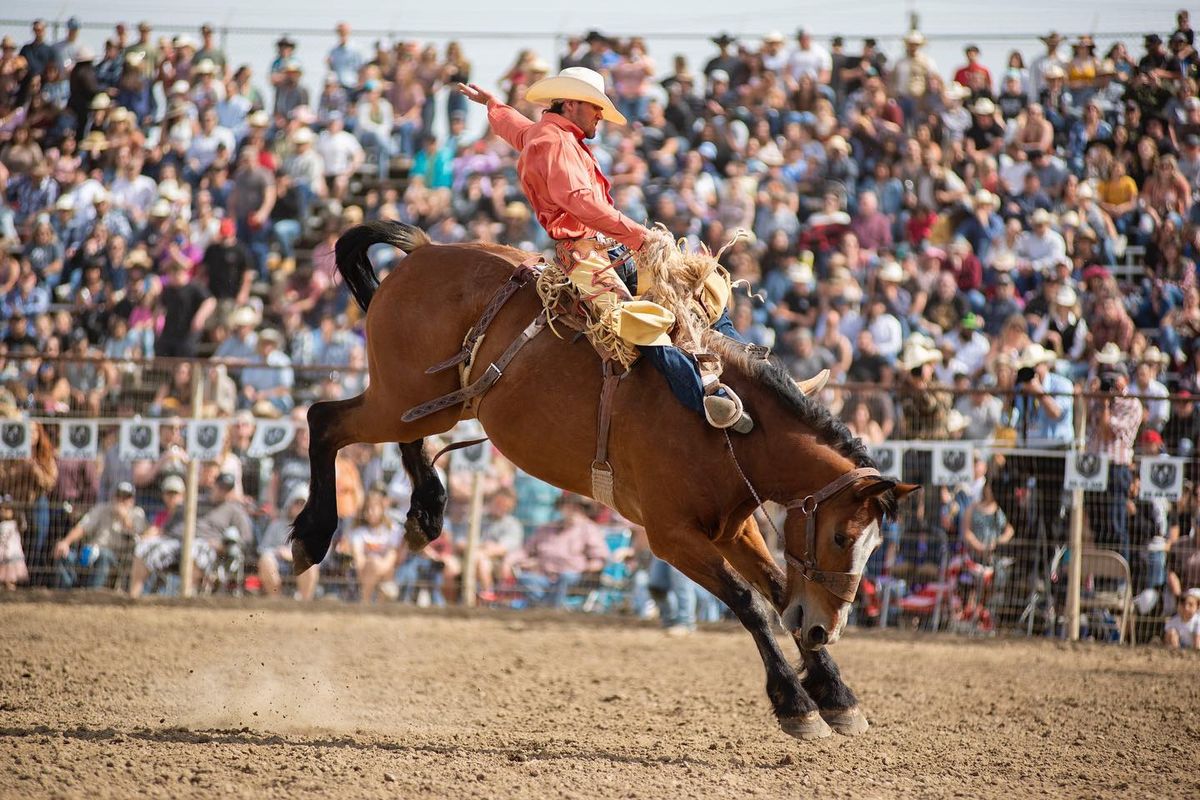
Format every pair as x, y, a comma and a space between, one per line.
841, 540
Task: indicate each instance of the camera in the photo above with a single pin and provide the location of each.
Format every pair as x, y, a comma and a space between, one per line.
1107, 383
1024, 375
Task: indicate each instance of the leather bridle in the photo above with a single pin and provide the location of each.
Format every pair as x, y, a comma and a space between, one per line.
842, 585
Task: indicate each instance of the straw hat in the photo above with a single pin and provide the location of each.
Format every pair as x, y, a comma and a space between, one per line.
1053, 39
303, 136
205, 67
100, 102
258, 119
914, 37
838, 143
1065, 296
985, 198
575, 83
1054, 71
96, 140
1040, 217
1110, 354
1034, 355
120, 114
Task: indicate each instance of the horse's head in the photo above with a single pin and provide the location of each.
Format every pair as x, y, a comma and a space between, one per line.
829, 535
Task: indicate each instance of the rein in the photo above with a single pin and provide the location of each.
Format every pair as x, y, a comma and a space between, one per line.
842, 585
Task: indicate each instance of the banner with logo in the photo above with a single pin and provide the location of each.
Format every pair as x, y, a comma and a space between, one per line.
205, 439
271, 436
14, 440
952, 464
138, 440
1086, 471
78, 440
1162, 477
889, 457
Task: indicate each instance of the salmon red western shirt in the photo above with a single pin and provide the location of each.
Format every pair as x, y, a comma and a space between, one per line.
561, 178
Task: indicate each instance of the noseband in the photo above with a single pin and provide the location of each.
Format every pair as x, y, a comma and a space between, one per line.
842, 585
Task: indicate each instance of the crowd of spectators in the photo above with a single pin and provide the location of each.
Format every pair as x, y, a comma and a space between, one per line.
1015, 236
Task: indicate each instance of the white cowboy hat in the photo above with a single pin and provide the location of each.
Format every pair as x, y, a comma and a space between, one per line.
1110, 354
983, 107
1036, 354
985, 198
891, 272
575, 83
243, 316
1153, 355
918, 356
956, 421
1066, 297
800, 272
303, 136
956, 91
914, 37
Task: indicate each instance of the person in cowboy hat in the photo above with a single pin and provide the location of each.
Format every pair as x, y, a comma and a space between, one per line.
570, 196
1147, 385
1037, 70
726, 60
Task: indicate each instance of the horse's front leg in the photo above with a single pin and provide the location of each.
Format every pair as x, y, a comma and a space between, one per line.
694, 555
838, 703
746, 550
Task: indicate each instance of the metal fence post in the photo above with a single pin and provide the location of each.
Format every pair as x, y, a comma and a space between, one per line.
1075, 567
189, 511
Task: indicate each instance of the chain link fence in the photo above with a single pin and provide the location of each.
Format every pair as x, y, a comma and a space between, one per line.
985, 547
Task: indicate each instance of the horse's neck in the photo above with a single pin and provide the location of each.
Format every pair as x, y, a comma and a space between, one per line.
795, 462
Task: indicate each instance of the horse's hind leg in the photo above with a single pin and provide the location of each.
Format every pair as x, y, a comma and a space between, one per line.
428, 496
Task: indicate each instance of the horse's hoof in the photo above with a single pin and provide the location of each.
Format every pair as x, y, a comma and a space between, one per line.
300, 560
809, 726
414, 537
846, 721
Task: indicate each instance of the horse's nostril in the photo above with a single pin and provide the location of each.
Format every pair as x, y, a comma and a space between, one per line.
818, 635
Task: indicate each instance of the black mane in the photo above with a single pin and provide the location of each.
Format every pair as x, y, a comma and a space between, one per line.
829, 429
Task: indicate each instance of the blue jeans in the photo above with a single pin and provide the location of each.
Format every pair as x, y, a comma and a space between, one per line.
547, 590
680, 370
384, 147
1108, 513
71, 573
258, 242
420, 570
675, 594
286, 232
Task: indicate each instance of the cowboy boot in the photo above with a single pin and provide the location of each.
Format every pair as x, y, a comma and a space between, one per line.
723, 409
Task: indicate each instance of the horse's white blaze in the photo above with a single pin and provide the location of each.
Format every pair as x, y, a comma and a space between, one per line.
864, 546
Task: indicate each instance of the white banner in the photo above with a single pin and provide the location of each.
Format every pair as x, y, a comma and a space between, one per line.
78, 440
14, 440
205, 439
271, 436
889, 457
1086, 471
1161, 477
477, 457
139, 440
952, 464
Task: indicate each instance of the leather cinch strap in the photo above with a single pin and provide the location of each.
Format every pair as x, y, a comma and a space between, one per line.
842, 585
603, 482
492, 374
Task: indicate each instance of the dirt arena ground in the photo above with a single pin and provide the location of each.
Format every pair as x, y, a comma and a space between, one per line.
104, 700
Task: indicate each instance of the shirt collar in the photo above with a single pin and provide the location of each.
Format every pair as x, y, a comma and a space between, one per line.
559, 121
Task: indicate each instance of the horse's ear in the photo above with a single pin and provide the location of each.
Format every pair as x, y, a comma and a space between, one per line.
903, 490
875, 488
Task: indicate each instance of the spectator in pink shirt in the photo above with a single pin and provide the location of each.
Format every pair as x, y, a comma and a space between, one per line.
556, 557
872, 227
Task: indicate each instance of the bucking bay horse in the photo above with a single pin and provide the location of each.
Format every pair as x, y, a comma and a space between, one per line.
692, 487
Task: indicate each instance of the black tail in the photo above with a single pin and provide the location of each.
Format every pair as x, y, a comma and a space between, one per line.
350, 253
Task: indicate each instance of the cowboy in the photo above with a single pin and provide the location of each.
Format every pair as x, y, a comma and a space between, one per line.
569, 194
